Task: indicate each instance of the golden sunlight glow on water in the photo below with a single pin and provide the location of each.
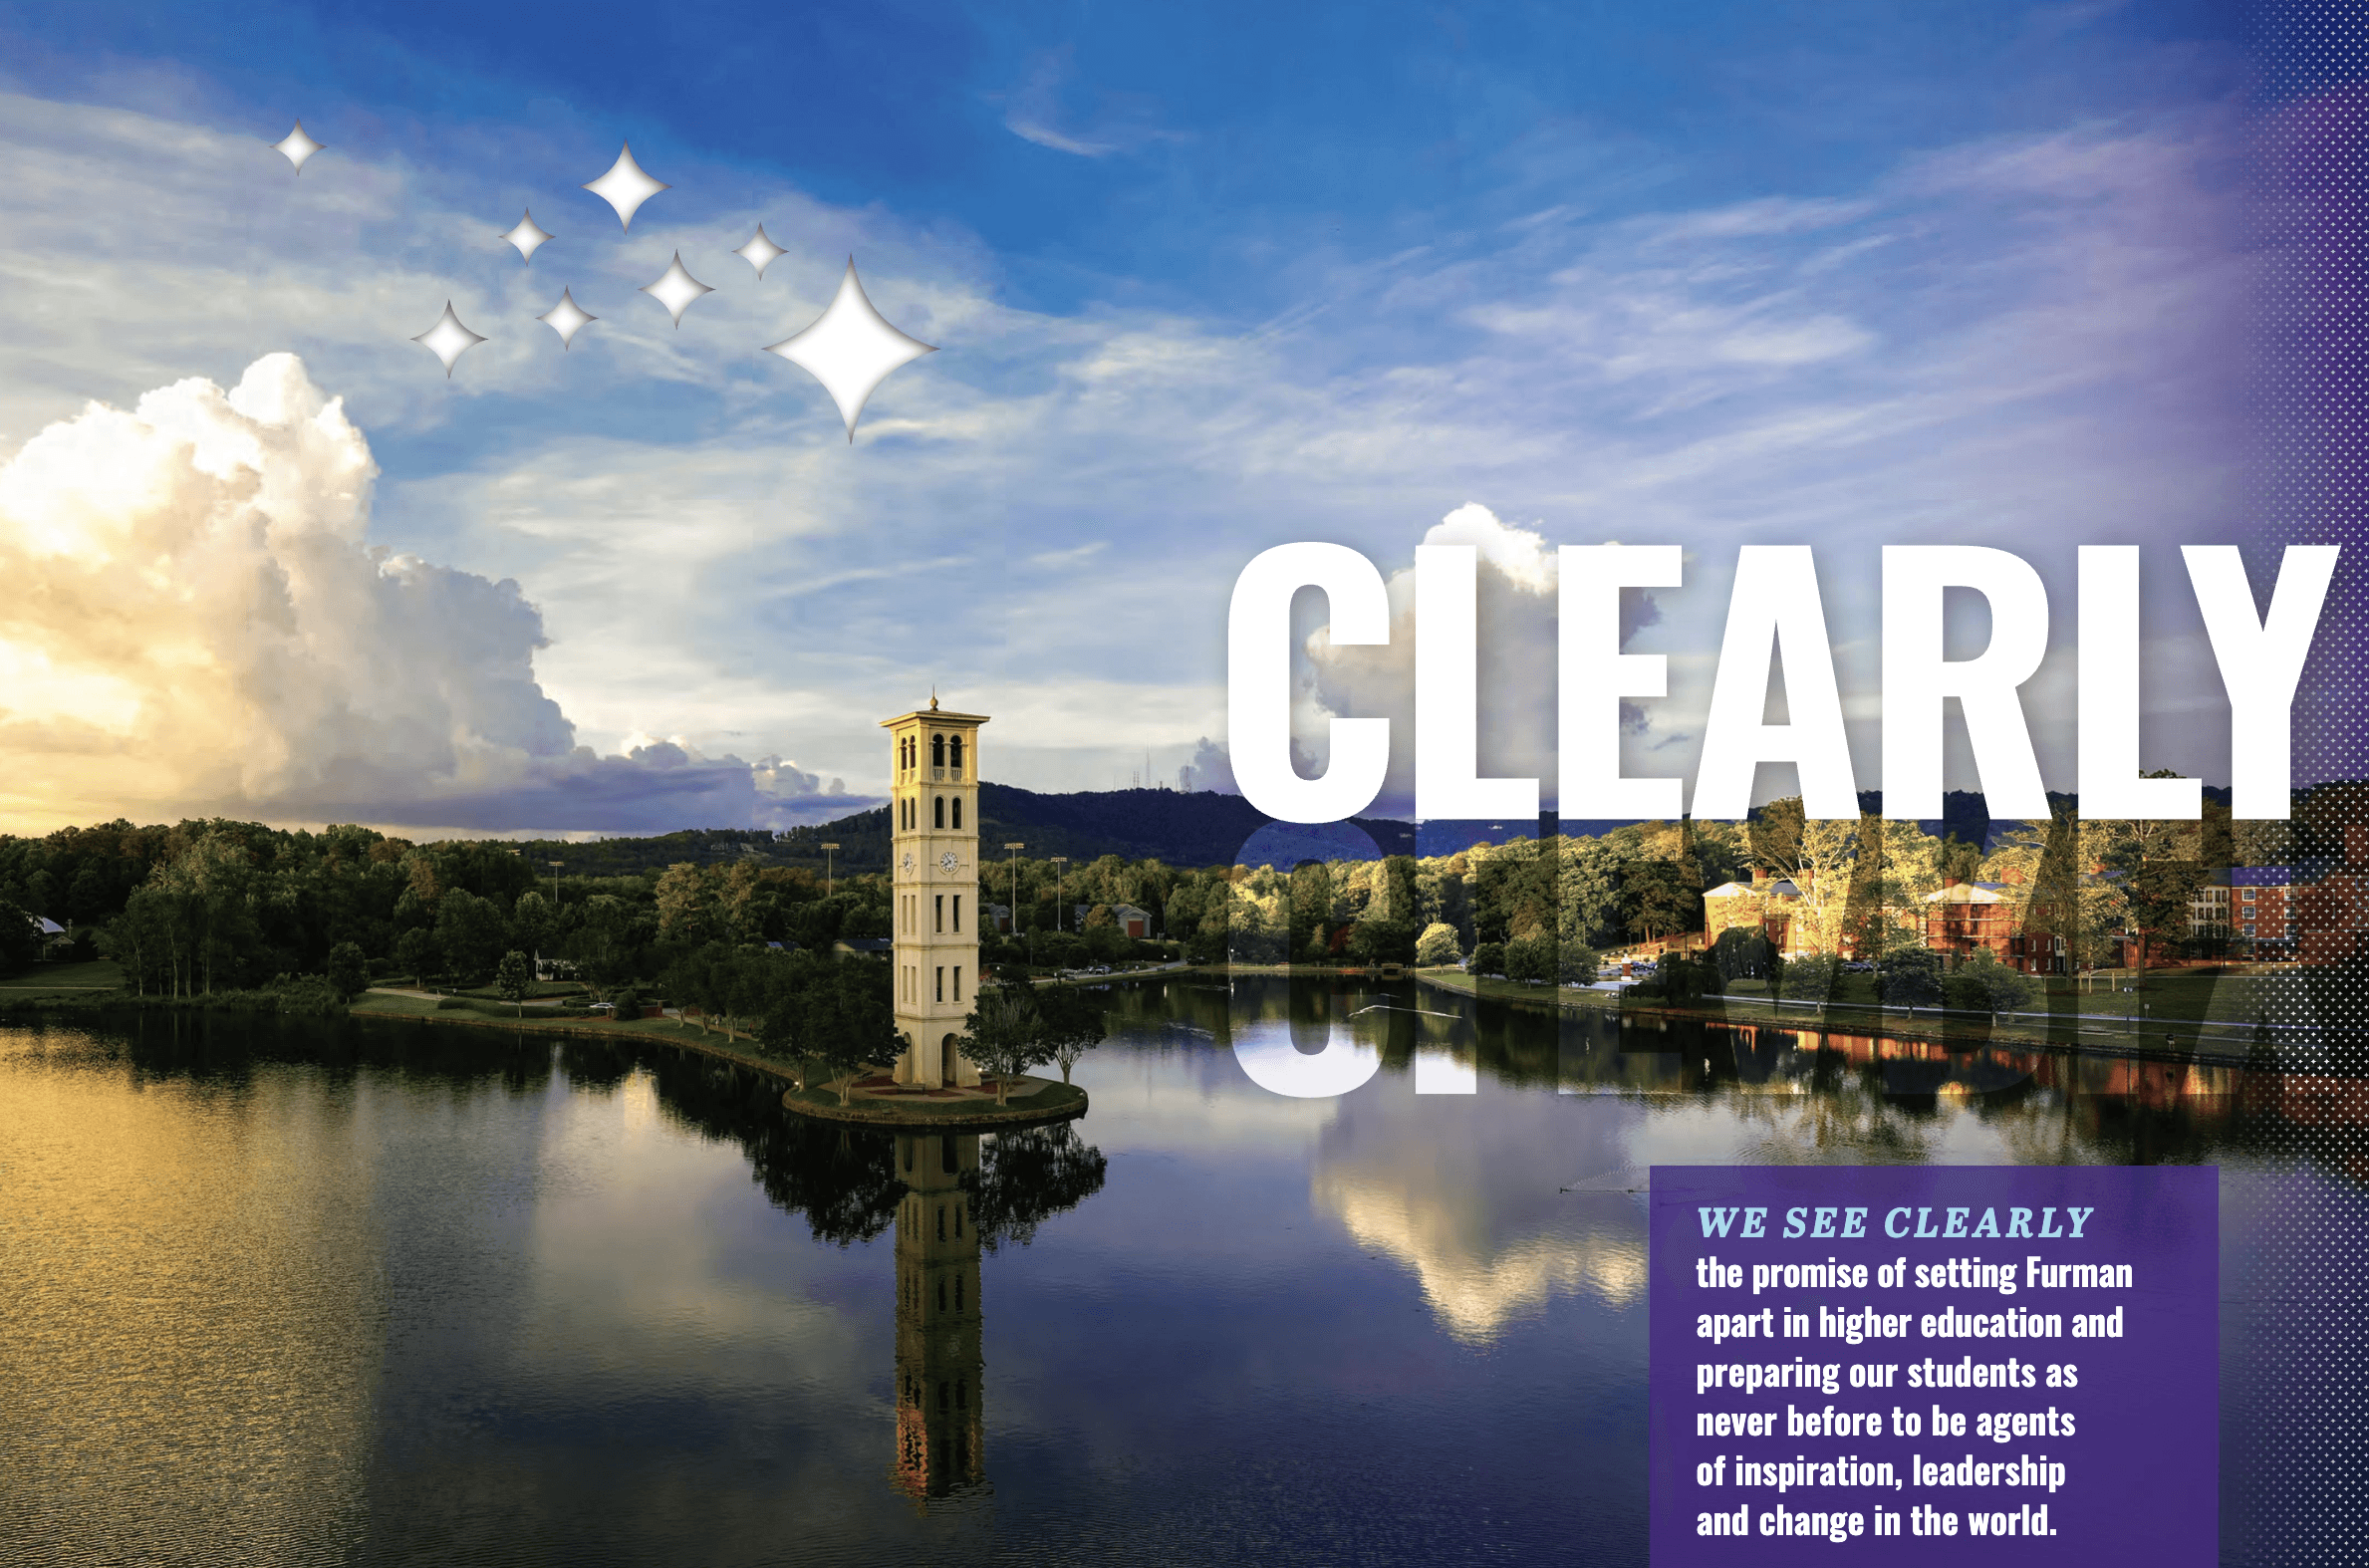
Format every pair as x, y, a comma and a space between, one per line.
193, 1317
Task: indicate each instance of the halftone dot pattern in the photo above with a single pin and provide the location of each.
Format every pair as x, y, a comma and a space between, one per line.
2294, 1459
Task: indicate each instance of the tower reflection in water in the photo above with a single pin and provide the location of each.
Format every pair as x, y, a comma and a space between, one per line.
965, 1194
941, 1414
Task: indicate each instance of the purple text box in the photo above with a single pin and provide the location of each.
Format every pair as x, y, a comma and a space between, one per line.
1814, 1328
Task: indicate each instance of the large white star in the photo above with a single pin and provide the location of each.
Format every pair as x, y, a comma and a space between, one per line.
675, 289
625, 186
448, 339
296, 146
850, 349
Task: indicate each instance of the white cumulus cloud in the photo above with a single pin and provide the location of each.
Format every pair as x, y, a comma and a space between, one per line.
196, 622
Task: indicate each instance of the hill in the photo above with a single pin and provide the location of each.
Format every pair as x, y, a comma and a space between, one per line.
1201, 829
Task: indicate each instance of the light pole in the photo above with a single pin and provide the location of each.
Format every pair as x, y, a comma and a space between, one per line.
1058, 861
554, 864
827, 848
1015, 850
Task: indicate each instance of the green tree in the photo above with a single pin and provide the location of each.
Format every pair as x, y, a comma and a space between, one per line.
841, 1013
2156, 868
415, 949
20, 942
1006, 1037
1576, 964
1660, 898
531, 921
1588, 892
1910, 976
1073, 1022
1983, 984
1379, 939
1488, 958
470, 932
1438, 945
681, 899
514, 978
1531, 958
348, 970
1812, 977
1744, 954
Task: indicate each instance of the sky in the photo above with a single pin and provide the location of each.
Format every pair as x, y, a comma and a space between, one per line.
1202, 280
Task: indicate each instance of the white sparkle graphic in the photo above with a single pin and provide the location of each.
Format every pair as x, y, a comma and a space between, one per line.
567, 318
625, 186
850, 349
448, 339
296, 146
760, 252
528, 237
675, 289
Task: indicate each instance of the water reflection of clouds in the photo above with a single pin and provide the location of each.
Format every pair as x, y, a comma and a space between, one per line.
646, 1237
1465, 1192
1192, 1098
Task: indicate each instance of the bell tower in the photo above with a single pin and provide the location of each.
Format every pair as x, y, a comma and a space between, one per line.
933, 857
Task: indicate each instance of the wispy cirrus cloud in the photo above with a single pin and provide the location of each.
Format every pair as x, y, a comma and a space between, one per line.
1040, 110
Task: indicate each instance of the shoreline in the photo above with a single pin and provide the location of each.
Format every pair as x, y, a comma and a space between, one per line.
1951, 1030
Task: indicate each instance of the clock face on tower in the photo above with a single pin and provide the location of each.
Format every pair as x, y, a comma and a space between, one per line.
909, 861
947, 860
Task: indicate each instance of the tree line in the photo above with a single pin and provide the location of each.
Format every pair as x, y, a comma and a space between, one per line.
206, 906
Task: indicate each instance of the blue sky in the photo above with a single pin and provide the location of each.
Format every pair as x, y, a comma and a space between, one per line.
1204, 279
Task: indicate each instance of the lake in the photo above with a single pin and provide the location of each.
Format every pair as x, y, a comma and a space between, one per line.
400, 1294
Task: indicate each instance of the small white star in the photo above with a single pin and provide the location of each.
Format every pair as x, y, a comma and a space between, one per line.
296, 146
567, 318
850, 349
448, 339
625, 186
675, 289
527, 235
760, 252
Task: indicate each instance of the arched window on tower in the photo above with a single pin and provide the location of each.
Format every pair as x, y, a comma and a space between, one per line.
937, 752
957, 811
954, 752
940, 813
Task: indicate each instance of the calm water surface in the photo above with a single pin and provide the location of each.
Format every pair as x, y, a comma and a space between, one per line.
392, 1294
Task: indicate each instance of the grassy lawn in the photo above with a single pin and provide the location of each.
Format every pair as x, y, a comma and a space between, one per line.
100, 974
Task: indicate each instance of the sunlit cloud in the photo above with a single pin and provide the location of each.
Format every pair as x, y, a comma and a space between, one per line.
199, 622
